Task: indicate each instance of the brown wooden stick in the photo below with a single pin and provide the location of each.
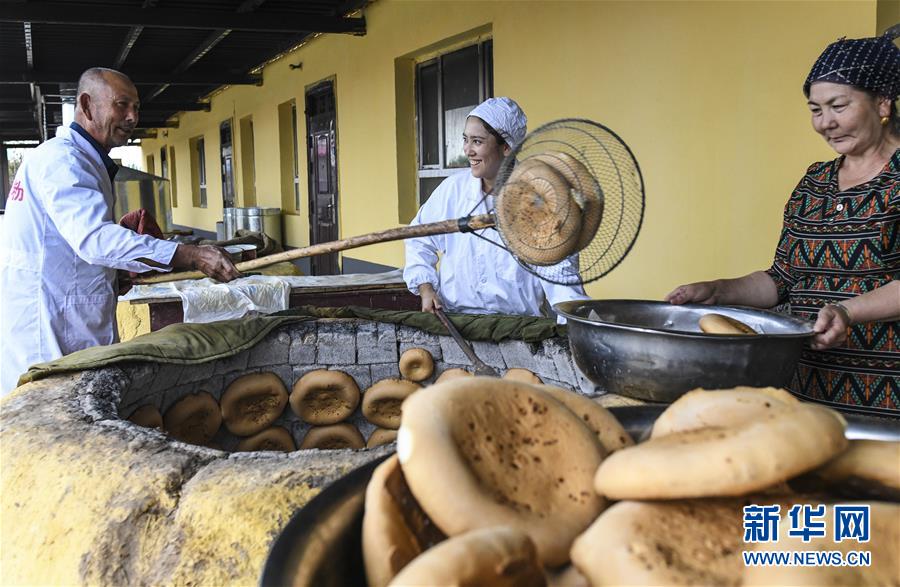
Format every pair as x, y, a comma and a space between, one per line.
391, 234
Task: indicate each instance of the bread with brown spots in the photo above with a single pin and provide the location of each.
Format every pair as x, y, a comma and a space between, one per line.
481, 451
275, 438
609, 431
710, 462
194, 419
333, 437
324, 397
382, 402
252, 402
702, 408
395, 530
488, 557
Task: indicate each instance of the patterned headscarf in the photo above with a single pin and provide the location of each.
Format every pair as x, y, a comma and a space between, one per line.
871, 64
505, 117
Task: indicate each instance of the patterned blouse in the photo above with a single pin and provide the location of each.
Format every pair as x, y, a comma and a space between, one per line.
836, 245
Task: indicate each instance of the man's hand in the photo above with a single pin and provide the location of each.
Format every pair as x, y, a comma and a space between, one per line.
430, 299
212, 261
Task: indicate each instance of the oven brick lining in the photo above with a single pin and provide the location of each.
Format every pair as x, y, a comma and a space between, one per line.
367, 351
86, 497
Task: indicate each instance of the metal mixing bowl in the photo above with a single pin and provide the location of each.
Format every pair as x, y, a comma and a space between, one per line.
655, 351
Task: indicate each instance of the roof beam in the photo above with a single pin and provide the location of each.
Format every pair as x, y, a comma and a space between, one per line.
143, 133
156, 123
213, 39
149, 78
24, 132
83, 14
131, 38
16, 106
167, 107
19, 117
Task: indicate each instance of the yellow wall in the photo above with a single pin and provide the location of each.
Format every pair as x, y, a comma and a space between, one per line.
706, 94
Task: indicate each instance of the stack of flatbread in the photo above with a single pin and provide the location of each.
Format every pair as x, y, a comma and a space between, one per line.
498, 482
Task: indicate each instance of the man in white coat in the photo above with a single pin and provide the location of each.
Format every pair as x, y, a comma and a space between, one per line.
60, 247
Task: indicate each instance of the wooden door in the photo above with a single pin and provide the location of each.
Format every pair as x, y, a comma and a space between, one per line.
323, 192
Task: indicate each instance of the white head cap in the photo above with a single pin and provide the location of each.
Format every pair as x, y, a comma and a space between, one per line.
505, 117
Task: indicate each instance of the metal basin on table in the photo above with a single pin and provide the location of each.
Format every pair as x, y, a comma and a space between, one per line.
655, 351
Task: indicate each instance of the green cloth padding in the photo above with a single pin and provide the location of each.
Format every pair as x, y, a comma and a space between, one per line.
176, 343
198, 343
486, 327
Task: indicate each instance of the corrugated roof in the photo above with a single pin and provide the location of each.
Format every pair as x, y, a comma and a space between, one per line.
176, 51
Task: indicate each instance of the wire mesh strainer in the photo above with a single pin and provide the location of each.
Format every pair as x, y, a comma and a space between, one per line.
606, 203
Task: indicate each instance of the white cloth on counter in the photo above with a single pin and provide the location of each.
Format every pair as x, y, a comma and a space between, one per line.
475, 277
205, 300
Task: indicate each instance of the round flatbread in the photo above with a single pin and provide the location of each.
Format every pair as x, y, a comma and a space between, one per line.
609, 431
416, 364
454, 373
537, 216
523, 375
583, 188
275, 438
147, 416
711, 462
490, 557
381, 436
665, 543
867, 469
194, 419
724, 408
721, 324
333, 437
323, 397
382, 403
480, 452
252, 402
395, 530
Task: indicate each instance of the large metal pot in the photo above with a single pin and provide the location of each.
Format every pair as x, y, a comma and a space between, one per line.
656, 351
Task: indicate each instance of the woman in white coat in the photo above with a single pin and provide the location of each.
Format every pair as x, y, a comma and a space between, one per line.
477, 277
59, 247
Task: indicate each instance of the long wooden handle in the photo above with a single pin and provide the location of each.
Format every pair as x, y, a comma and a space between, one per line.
392, 234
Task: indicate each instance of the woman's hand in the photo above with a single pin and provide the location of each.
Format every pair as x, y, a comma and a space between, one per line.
830, 327
430, 299
756, 290
702, 292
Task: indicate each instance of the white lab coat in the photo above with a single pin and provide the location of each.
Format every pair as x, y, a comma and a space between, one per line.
475, 277
59, 249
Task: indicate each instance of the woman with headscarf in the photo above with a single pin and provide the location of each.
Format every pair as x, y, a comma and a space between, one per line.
838, 258
476, 276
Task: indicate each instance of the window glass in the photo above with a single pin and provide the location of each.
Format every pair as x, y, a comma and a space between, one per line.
201, 170
461, 94
447, 89
429, 113
296, 157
